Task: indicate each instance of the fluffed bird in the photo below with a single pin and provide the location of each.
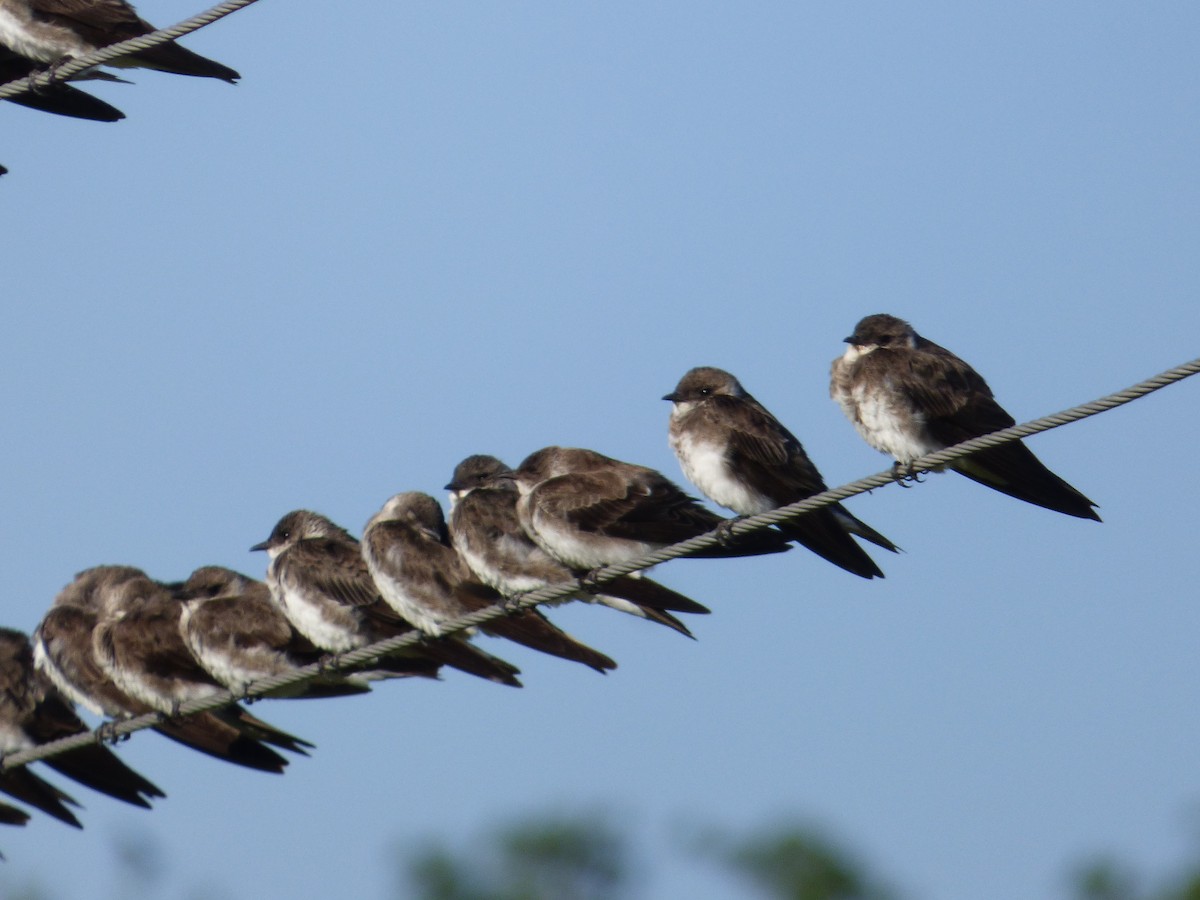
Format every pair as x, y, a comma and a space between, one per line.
908, 397
58, 98
320, 581
239, 635
486, 531
62, 649
422, 577
54, 31
33, 712
588, 510
741, 457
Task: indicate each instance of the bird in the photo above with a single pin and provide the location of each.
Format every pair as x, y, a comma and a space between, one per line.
420, 575
909, 397
138, 644
319, 579
54, 31
742, 458
58, 98
486, 530
63, 651
588, 510
33, 712
238, 634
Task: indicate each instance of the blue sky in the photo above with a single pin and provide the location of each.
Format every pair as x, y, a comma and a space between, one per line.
493, 227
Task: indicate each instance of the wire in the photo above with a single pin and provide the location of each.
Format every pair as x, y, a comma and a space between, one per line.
144, 42
111, 731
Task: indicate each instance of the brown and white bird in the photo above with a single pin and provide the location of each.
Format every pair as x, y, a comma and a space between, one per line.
138, 643
588, 510
238, 634
486, 531
419, 574
319, 579
53, 31
908, 397
58, 98
741, 457
63, 650
33, 712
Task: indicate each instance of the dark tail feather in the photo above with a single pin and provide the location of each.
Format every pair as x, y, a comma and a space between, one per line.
256, 728
462, 656
99, 768
857, 526
647, 593
29, 788
10, 815
534, 630
419, 666
210, 735
321, 690
1013, 469
665, 618
821, 533
179, 60
64, 100
757, 543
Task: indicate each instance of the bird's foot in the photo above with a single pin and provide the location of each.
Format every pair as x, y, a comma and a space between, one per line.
724, 531
589, 582
328, 661
906, 475
106, 733
511, 603
51, 73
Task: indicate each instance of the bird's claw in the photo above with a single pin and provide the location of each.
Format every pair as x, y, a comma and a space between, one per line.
589, 581
106, 733
906, 475
724, 531
511, 603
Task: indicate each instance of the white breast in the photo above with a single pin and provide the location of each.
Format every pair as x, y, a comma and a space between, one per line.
306, 610
39, 41
888, 423
706, 466
396, 595
586, 551
44, 661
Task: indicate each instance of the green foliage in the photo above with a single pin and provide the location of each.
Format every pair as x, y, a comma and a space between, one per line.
582, 858
792, 862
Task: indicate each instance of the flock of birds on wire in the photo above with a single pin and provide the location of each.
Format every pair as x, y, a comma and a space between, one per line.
121, 644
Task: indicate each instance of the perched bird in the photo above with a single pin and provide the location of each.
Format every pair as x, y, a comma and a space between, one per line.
60, 99
53, 31
33, 712
238, 634
588, 510
741, 457
908, 397
320, 581
138, 644
62, 649
486, 531
421, 576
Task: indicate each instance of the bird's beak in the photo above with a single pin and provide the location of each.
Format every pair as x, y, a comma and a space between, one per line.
262, 546
673, 397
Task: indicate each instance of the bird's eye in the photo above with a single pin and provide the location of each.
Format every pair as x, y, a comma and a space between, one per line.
285, 535
704, 392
